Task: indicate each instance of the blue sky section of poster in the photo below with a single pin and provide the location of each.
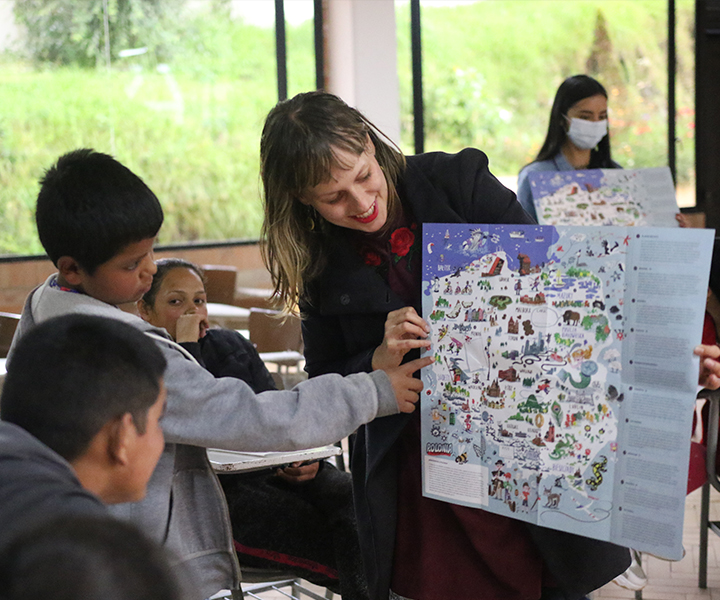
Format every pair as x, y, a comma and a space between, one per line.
534, 381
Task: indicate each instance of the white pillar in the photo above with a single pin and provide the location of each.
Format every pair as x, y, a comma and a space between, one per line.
361, 51
9, 30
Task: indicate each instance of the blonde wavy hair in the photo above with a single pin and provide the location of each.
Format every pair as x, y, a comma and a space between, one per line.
297, 152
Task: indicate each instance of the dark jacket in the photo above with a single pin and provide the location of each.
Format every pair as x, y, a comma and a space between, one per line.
344, 323
36, 485
226, 353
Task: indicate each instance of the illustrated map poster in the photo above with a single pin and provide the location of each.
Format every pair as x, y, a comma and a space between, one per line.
618, 197
564, 383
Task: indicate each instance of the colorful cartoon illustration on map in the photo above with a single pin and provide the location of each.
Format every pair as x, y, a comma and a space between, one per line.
618, 197
527, 327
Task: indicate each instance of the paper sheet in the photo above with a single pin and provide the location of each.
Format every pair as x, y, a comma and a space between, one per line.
618, 197
564, 382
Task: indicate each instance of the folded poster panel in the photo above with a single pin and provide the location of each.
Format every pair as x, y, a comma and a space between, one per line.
618, 197
564, 382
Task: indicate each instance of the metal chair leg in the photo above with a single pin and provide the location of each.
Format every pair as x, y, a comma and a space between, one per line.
638, 593
704, 526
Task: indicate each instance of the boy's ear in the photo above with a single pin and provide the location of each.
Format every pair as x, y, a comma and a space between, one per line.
143, 309
122, 434
70, 270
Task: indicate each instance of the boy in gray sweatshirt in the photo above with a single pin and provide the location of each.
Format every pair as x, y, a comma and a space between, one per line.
97, 222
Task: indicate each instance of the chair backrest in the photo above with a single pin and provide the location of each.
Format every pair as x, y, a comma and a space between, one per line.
271, 333
220, 283
8, 325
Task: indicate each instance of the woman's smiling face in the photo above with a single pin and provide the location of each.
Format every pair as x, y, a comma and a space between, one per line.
356, 194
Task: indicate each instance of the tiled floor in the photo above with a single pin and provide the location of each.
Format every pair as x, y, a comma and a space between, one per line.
679, 580
666, 580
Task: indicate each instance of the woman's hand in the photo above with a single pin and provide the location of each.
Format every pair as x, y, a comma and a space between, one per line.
191, 327
404, 330
299, 472
696, 220
407, 388
709, 366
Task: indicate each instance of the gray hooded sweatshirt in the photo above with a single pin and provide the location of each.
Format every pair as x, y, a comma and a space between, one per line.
36, 484
185, 508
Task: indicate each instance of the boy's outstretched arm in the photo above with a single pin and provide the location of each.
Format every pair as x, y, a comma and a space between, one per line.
709, 366
225, 413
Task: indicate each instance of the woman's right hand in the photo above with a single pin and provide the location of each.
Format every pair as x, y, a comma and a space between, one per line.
404, 330
709, 366
191, 327
407, 388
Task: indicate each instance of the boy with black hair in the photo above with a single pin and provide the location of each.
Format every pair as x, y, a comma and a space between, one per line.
88, 199
79, 416
88, 557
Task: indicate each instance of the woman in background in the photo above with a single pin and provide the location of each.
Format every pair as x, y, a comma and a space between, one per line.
577, 136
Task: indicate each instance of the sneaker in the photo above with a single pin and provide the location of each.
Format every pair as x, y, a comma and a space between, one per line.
634, 577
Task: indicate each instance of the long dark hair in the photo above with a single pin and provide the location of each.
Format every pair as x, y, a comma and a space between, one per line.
570, 92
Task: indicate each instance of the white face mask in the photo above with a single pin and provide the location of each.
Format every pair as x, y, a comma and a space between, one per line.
587, 134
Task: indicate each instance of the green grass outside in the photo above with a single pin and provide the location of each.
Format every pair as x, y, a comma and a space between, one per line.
490, 71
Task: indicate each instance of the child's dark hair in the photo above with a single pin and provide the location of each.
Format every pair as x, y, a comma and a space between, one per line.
90, 207
71, 375
89, 557
164, 266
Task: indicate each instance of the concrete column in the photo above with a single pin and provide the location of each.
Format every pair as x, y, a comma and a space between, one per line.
361, 51
9, 30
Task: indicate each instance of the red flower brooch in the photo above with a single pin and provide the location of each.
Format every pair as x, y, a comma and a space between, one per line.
401, 241
402, 245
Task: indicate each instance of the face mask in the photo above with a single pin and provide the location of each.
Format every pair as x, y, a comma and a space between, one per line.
587, 134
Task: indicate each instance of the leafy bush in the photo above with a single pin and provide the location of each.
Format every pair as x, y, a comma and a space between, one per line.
68, 32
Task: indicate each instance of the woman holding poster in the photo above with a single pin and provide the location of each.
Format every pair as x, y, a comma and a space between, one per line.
344, 211
577, 136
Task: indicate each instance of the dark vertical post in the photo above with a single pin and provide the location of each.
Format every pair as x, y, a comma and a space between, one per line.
418, 107
707, 116
281, 49
671, 69
319, 45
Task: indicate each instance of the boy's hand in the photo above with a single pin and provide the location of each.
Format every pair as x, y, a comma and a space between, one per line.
299, 472
709, 366
404, 330
407, 388
191, 327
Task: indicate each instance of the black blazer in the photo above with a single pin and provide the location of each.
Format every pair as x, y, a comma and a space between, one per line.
343, 323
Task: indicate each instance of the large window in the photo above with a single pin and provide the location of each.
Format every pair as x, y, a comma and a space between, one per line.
175, 89
178, 90
491, 69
